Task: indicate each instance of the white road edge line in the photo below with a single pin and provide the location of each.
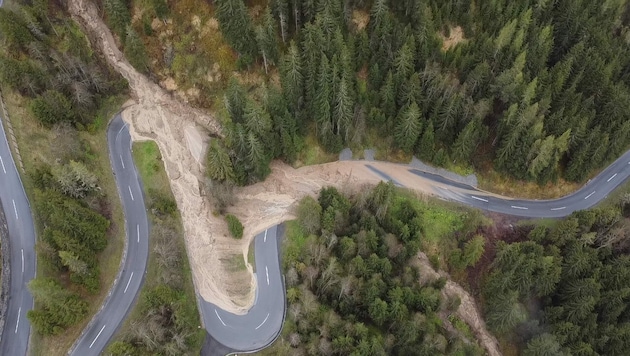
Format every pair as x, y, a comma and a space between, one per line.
261, 324
130, 277
477, 198
221, 320
611, 178
519, 207
588, 196
22, 260
17, 324
122, 162
267, 272
130, 193
99, 334
3, 169
265, 240
15, 209
138, 231
564, 207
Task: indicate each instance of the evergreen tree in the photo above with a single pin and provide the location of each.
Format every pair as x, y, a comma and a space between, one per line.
467, 141
266, 39
543, 345
292, 79
236, 26
388, 97
118, 16
219, 166
343, 109
52, 107
235, 99
426, 146
312, 43
280, 9
323, 106
409, 127
135, 51
14, 30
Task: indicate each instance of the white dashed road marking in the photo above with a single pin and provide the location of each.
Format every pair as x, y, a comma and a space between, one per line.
18, 320
267, 272
221, 320
15, 209
138, 231
130, 277
611, 178
99, 334
519, 207
130, 193
265, 240
3, 169
22, 260
560, 208
122, 162
261, 324
588, 196
477, 198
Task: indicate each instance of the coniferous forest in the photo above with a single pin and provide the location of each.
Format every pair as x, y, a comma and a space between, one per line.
565, 290
539, 87
353, 287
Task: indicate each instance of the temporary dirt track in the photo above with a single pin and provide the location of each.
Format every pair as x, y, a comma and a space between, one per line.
181, 133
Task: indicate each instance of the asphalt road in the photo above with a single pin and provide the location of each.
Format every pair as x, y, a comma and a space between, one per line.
263, 322
123, 294
586, 197
15, 337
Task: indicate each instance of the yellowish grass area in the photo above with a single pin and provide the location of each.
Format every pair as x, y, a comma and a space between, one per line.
455, 37
495, 182
35, 142
360, 19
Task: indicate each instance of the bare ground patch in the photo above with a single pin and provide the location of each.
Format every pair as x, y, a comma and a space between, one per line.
455, 37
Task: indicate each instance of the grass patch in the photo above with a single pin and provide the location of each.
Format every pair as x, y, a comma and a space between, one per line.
37, 146
461, 326
251, 255
234, 263
313, 153
439, 222
168, 278
293, 242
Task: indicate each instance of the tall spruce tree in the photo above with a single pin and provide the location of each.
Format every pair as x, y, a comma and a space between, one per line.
236, 26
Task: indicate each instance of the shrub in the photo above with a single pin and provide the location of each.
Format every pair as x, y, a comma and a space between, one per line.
161, 204
235, 226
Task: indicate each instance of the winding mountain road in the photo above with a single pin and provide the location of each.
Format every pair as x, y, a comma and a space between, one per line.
262, 323
15, 336
107, 321
586, 197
